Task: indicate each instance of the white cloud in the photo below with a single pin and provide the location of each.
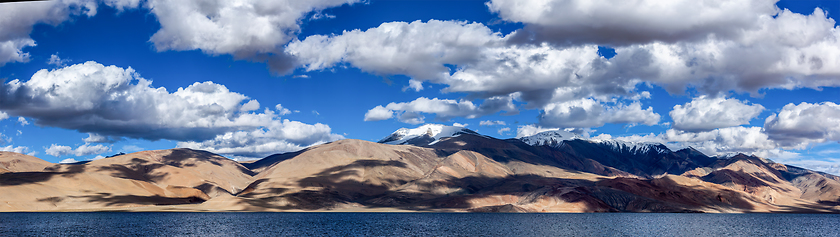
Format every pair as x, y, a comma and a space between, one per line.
706, 113
491, 123
279, 136
58, 150
3, 115
586, 113
463, 125
96, 138
131, 148
378, 113
17, 149
122, 5
83, 150
486, 64
416, 49
111, 103
616, 22
755, 48
788, 51
19, 18
411, 118
58, 62
249, 29
282, 111
504, 130
531, 129
22, 121
799, 125
414, 84
443, 109
251, 105
68, 161
88, 149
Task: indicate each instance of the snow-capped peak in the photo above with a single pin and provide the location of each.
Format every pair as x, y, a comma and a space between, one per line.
550, 138
424, 135
635, 147
556, 138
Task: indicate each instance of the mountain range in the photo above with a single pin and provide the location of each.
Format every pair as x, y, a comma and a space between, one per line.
429, 168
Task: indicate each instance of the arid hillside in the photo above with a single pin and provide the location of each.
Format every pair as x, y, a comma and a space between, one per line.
466, 172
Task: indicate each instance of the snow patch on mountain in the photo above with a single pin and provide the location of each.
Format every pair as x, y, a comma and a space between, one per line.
427, 134
550, 138
556, 138
635, 147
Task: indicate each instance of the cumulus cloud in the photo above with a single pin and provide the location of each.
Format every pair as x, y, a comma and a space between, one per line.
19, 18
3, 115
96, 138
799, 125
131, 148
255, 30
251, 29
491, 123
83, 150
57, 61
788, 51
22, 121
486, 65
586, 113
279, 136
282, 111
122, 5
705, 113
111, 103
416, 49
409, 112
378, 113
760, 48
618, 23
414, 84
504, 130
17, 149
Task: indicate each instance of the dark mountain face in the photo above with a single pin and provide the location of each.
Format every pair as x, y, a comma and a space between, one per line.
645, 160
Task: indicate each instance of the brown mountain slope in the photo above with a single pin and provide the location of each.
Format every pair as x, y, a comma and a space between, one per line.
787, 188
163, 177
513, 149
483, 175
464, 173
15, 162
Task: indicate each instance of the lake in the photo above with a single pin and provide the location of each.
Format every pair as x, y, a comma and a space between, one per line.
417, 224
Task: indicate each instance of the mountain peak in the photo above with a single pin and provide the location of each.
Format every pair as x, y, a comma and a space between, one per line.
426, 134
549, 138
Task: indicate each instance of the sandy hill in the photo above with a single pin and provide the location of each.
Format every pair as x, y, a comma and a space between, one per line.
15, 162
163, 177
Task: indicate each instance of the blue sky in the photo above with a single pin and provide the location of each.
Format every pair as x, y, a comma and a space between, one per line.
85, 78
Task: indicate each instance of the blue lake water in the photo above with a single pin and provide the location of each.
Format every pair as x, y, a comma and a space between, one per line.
416, 224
